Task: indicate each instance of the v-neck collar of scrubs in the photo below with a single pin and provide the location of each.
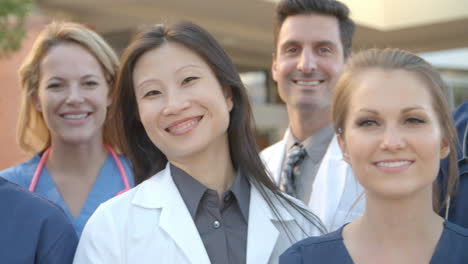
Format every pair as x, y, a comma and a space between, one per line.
439, 255
47, 187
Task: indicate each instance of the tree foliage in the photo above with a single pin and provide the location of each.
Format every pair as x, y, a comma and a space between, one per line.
13, 15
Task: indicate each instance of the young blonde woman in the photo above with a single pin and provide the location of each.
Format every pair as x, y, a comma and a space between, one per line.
394, 127
66, 83
204, 195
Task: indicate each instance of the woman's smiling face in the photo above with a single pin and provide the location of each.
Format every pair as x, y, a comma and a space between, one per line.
392, 137
181, 104
73, 94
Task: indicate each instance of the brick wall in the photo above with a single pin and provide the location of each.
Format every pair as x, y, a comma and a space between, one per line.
10, 153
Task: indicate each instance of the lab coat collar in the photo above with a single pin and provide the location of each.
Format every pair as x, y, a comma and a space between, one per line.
160, 191
329, 183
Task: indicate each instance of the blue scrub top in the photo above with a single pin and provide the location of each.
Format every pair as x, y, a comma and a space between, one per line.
451, 248
33, 230
107, 185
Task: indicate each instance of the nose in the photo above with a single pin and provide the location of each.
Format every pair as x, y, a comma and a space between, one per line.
175, 104
393, 140
307, 62
75, 95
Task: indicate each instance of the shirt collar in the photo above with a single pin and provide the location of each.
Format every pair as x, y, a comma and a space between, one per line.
192, 191
241, 191
319, 139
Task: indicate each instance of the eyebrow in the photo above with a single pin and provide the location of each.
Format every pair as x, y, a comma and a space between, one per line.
178, 70
405, 110
150, 80
317, 43
61, 79
189, 66
408, 109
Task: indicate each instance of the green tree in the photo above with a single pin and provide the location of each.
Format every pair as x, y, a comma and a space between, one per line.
13, 15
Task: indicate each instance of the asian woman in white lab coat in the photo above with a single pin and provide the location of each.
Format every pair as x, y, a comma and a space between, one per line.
184, 120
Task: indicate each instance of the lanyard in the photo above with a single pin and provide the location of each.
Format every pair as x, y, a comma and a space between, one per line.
45, 156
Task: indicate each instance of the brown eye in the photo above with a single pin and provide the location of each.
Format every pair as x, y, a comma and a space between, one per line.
53, 85
367, 123
152, 93
291, 50
90, 83
415, 120
189, 79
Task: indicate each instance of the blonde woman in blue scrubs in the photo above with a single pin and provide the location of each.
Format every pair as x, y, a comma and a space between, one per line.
66, 81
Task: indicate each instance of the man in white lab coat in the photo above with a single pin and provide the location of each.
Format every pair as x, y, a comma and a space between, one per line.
312, 41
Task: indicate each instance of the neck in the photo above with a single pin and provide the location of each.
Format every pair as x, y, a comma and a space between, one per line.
212, 167
303, 124
395, 223
76, 159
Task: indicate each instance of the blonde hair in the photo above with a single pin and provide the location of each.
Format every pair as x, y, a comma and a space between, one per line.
32, 133
395, 59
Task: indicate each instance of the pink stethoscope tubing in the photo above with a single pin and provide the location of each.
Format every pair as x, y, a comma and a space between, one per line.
45, 156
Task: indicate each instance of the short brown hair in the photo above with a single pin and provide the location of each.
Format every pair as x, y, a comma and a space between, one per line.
286, 8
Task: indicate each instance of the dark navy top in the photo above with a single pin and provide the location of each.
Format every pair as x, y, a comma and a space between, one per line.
458, 212
33, 229
451, 248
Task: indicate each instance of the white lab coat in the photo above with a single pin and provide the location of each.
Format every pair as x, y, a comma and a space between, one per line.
151, 224
337, 197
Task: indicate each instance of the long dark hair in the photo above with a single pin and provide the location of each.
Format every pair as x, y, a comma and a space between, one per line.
147, 159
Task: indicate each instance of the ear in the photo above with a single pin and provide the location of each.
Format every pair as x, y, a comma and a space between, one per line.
445, 149
229, 102
36, 102
343, 147
109, 100
274, 68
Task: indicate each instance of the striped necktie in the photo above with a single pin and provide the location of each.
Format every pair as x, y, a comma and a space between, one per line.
288, 176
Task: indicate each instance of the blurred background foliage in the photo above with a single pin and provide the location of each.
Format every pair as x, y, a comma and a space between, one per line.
13, 14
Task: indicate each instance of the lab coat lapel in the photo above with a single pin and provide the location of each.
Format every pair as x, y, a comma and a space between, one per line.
329, 184
175, 219
276, 158
263, 234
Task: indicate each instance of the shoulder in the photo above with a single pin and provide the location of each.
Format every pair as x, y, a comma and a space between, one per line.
27, 203
461, 112
315, 248
460, 116
41, 225
456, 231
22, 173
271, 150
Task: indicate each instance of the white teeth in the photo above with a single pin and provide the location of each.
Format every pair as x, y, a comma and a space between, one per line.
393, 164
80, 116
183, 126
308, 82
